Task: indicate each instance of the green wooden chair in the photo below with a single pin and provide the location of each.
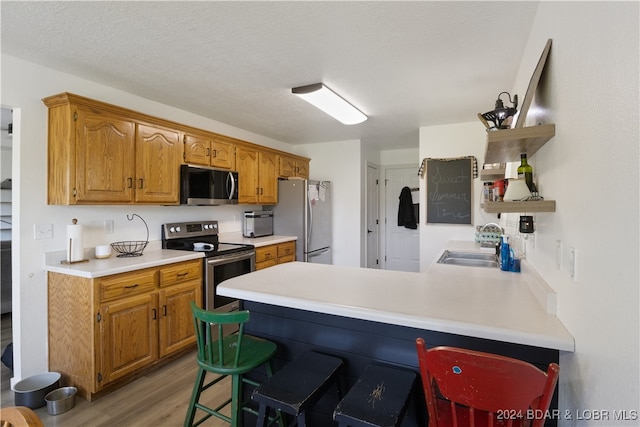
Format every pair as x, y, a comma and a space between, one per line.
232, 355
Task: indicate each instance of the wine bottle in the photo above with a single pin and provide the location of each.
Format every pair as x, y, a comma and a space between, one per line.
525, 171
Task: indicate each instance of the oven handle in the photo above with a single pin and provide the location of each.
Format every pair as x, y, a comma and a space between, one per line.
226, 259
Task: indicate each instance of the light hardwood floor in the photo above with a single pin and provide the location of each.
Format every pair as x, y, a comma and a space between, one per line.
157, 399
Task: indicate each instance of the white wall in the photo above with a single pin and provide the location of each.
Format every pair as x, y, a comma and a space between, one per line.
23, 86
341, 163
456, 140
591, 169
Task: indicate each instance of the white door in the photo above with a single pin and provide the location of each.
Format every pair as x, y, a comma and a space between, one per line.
372, 218
402, 244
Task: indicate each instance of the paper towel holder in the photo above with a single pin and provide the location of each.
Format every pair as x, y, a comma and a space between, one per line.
74, 221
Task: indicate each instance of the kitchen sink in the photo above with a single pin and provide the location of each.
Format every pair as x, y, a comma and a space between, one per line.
469, 259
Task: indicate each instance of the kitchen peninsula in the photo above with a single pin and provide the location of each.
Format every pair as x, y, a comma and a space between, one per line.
368, 315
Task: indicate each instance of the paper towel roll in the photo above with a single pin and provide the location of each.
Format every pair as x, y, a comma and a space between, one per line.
75, 251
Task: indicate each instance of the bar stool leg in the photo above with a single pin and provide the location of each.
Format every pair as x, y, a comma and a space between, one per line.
195, 397
302, 421
236, 411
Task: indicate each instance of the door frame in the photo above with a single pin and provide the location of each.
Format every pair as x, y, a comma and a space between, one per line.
377, 214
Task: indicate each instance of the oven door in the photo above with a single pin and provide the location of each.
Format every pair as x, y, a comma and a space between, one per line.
221, 268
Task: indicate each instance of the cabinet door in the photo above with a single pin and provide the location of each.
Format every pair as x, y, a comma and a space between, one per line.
197, 150
268, 178
104, 158
302, 169
247, 165
286, 167
176, 321
158, 153
223, 154
128, 336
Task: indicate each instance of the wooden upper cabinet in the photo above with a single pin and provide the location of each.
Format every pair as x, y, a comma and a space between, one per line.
257, 173
223, 153
216, 151
104, 161
268, 178
100, 153
247, 165
197, 150
157, 165
293, 167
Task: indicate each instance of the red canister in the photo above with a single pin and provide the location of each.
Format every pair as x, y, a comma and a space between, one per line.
499, 187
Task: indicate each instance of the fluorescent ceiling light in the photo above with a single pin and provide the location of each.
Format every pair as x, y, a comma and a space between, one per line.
330, 102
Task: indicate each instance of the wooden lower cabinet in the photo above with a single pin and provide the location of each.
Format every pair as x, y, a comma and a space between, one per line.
105, 331
270, 255
176, 321
128, 336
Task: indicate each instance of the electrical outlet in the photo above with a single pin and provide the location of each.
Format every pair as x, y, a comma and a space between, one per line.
559, 254
42, 231
108, 226
573, 263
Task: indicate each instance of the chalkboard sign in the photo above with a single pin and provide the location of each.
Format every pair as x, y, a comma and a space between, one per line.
449, 191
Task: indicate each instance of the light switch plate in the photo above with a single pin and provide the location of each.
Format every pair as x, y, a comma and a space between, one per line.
559, 254
108, 226
573, 263
42, 231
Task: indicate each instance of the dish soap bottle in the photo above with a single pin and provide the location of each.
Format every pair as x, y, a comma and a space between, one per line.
526, 171
504, 253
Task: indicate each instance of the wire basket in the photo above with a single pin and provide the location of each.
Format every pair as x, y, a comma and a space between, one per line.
131, 248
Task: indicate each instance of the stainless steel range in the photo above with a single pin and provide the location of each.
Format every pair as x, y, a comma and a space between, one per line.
222, 260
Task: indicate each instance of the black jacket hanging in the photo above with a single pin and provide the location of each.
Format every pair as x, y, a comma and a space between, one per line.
406, 214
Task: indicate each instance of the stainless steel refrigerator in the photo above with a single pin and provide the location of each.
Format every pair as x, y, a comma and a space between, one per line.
304, 210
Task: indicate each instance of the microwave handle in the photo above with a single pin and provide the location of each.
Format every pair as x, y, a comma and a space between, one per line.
233, 185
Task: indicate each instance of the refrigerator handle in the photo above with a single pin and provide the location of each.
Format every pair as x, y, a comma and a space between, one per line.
310, 219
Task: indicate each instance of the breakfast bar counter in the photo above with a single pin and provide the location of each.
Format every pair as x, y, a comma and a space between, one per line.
370, 316
478, 302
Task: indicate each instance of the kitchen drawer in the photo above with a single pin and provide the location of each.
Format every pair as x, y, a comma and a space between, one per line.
286, 249
127, 284
287, 258
266, 253
266, 264
182, 272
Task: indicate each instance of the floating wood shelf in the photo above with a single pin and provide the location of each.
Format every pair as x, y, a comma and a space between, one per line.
506, 145
492, 174
515, 207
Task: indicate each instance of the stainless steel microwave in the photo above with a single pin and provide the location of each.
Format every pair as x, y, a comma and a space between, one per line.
206, 186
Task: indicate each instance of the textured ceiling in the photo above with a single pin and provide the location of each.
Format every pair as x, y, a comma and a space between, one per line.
405, 64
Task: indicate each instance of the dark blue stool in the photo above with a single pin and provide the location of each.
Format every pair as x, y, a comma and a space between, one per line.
379, 398
297, 386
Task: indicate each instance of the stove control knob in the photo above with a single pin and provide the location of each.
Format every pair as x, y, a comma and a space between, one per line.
177, 229
172, 229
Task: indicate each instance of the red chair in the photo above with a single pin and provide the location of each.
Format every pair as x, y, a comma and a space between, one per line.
471, 388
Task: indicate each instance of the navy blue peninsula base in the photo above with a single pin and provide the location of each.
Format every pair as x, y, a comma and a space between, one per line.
362, 342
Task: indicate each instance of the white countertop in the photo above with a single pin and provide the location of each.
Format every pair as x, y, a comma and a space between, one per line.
473, 301
237, 237
152, 256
